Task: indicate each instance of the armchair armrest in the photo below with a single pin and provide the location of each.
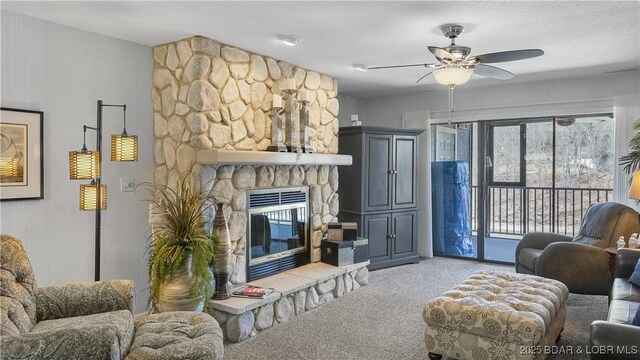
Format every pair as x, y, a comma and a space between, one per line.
627, 260
583, 268
68, 300
621, 340
538, 240
82, 342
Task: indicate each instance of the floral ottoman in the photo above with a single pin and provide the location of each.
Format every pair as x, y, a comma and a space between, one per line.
178, 335
496, 315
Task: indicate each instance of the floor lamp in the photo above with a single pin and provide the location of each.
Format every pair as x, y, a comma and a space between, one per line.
86, 165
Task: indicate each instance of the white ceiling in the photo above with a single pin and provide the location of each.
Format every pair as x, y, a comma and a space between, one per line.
580, 38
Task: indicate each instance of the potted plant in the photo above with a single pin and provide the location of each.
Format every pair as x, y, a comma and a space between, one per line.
180, 249
631, 161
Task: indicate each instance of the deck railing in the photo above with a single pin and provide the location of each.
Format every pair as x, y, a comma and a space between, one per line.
517, 210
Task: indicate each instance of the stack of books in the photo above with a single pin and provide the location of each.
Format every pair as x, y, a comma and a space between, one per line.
251, 291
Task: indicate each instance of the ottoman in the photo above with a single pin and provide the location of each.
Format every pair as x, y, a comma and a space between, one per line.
496, 315
178, 335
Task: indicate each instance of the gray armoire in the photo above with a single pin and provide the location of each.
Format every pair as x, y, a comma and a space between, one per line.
379, 191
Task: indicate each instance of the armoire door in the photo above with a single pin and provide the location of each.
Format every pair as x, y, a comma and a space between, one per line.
405, 152
377, 228
377, 181
404, 226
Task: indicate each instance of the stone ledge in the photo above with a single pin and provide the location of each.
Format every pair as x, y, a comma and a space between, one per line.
235, 157
237, 305
284, 284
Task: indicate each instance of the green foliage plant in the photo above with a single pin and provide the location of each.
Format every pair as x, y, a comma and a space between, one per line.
631, 161
177, 234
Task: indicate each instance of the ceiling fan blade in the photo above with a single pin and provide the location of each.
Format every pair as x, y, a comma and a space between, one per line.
492, 72
399, 66
425, 75
507, 56
441, 54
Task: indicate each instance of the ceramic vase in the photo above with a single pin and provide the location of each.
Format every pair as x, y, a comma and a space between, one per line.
175, 291
223, 252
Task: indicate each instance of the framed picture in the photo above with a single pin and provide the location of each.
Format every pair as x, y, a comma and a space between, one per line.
21, 154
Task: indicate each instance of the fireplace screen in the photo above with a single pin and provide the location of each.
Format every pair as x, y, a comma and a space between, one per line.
278, 227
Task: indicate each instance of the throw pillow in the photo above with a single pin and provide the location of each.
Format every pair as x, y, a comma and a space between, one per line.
636, 320
635, 277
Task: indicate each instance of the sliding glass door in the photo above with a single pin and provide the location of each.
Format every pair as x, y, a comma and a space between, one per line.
494, 181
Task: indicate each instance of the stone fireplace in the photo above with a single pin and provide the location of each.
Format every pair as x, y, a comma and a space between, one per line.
210, 96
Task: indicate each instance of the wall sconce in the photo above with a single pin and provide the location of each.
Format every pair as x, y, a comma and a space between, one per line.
86, 164
89, 196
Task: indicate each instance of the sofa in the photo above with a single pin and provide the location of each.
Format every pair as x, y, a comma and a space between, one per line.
580, 262
615, 337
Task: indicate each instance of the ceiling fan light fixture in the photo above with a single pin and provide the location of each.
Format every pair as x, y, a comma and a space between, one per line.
360, 67
452, 75
289, 40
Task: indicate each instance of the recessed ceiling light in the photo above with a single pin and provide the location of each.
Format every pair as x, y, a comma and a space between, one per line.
361, 67
289, 40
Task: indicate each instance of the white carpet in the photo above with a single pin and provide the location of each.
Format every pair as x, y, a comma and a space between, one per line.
384, 320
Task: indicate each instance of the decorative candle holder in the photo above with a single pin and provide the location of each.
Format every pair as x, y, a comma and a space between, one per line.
277, 141
292, 118
304, 126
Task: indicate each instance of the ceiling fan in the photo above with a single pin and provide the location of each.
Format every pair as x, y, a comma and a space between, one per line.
456, 66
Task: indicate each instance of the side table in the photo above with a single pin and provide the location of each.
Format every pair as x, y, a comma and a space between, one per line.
613, 255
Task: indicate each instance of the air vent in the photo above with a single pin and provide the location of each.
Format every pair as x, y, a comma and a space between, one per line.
292, 197
264, 199
273, 197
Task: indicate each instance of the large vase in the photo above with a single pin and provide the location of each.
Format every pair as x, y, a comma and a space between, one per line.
223, 252
175, 291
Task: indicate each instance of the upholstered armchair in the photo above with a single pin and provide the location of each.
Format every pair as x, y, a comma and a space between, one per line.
581, 262
74, 321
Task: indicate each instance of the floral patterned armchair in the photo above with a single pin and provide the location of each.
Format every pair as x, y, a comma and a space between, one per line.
73, 321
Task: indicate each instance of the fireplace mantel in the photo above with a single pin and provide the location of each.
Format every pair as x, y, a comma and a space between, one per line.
239, 157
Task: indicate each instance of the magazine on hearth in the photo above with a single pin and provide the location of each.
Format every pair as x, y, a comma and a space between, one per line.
251, 291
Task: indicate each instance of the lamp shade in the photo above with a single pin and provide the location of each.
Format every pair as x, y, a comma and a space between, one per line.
89, 197
124, 148
84, 165
634, 190
452, 75
9, 166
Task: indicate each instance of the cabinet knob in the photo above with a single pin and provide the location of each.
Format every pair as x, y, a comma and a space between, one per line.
390, 172
394, 236
389, 236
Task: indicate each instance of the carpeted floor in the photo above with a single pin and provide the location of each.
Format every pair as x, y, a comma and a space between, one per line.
384, 320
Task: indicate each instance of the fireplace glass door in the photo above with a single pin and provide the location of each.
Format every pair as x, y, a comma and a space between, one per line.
277, 231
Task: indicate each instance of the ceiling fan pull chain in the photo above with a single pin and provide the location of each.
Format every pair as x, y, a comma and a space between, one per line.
450, 101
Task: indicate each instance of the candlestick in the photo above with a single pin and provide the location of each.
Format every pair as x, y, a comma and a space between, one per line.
292, 118
277, 101
289, 84
304, 127
276, 129
304, 95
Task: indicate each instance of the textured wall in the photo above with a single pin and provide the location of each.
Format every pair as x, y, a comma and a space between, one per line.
63, 71
210, 95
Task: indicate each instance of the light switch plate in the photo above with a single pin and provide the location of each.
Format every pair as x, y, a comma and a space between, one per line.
127, 184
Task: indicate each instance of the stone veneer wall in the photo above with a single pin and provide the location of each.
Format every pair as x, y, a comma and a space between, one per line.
207, 95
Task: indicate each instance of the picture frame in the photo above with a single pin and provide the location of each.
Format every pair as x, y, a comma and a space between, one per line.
21, 154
